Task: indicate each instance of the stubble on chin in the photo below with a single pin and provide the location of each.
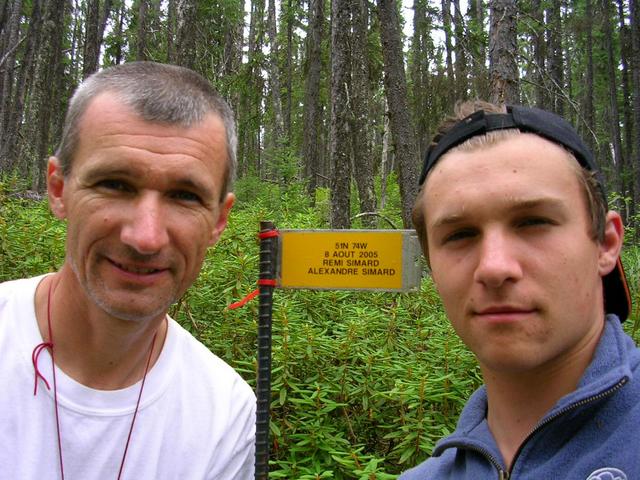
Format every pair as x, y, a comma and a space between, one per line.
96, 292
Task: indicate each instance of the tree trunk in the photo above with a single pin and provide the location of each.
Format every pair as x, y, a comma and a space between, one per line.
385, 169
635, 66
250, 112
503, 49
312, 107
4, 13
421, 51
360, 117
119, 34
462, 86
233, 45
539, 55
104, 18
10, 38
171, 31
63, 87
91, 49
627, 111
555, 57
232, 60
43, 95
614, 120
274, 76
340, 131
76, 28
186, 32
10, 133
477, 41
589, 112
446, 24
141, 43
395, 86
289, 68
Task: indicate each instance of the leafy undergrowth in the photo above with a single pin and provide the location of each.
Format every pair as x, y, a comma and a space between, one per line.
364, 384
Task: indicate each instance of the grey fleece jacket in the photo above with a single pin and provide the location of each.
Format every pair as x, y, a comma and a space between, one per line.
592, 433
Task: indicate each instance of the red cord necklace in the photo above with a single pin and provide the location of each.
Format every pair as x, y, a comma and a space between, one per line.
49, 345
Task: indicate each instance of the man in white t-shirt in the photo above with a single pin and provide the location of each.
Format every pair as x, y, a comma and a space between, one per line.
142, 177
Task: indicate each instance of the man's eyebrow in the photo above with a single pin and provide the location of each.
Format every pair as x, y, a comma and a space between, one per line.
543, 202
100, 171
190, 184
448, 220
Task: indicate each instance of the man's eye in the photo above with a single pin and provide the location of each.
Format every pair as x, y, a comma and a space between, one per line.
117, 185
186, 196
534, 221
458, 235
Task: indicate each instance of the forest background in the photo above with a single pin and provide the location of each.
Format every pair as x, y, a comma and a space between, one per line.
336, 102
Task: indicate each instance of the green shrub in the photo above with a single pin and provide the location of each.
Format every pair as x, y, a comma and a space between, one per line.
631, 262
364, 384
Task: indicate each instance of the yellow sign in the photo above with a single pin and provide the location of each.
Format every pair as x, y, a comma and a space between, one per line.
349, 259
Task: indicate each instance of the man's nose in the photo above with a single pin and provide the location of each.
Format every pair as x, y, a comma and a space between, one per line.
498, 261
145, 227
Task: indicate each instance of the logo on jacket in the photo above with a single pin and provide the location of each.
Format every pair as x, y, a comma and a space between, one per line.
607, 473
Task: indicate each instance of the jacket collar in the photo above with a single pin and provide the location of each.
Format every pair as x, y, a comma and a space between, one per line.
610, 365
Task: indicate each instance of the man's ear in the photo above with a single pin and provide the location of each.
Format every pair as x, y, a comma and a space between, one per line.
611, 243
55, 187
223, 216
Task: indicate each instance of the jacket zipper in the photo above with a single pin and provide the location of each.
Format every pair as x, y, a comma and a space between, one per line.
610, 391
506, 475
502, 474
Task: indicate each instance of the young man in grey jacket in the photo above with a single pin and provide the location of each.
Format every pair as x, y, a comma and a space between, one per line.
513, 221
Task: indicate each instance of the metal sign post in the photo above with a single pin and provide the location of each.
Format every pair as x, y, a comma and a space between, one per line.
263, 384
377, 260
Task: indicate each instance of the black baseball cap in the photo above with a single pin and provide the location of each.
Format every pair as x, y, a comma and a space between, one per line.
617, 297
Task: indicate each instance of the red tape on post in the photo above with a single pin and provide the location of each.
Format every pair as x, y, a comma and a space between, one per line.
268, 234
264, 282
245, 300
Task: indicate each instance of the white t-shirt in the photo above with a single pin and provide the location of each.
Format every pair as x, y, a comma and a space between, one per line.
196, 419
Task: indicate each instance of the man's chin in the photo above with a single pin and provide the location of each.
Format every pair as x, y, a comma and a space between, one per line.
138, 309
135, 315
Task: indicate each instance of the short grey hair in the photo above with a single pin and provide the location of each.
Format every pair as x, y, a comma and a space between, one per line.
158, 93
